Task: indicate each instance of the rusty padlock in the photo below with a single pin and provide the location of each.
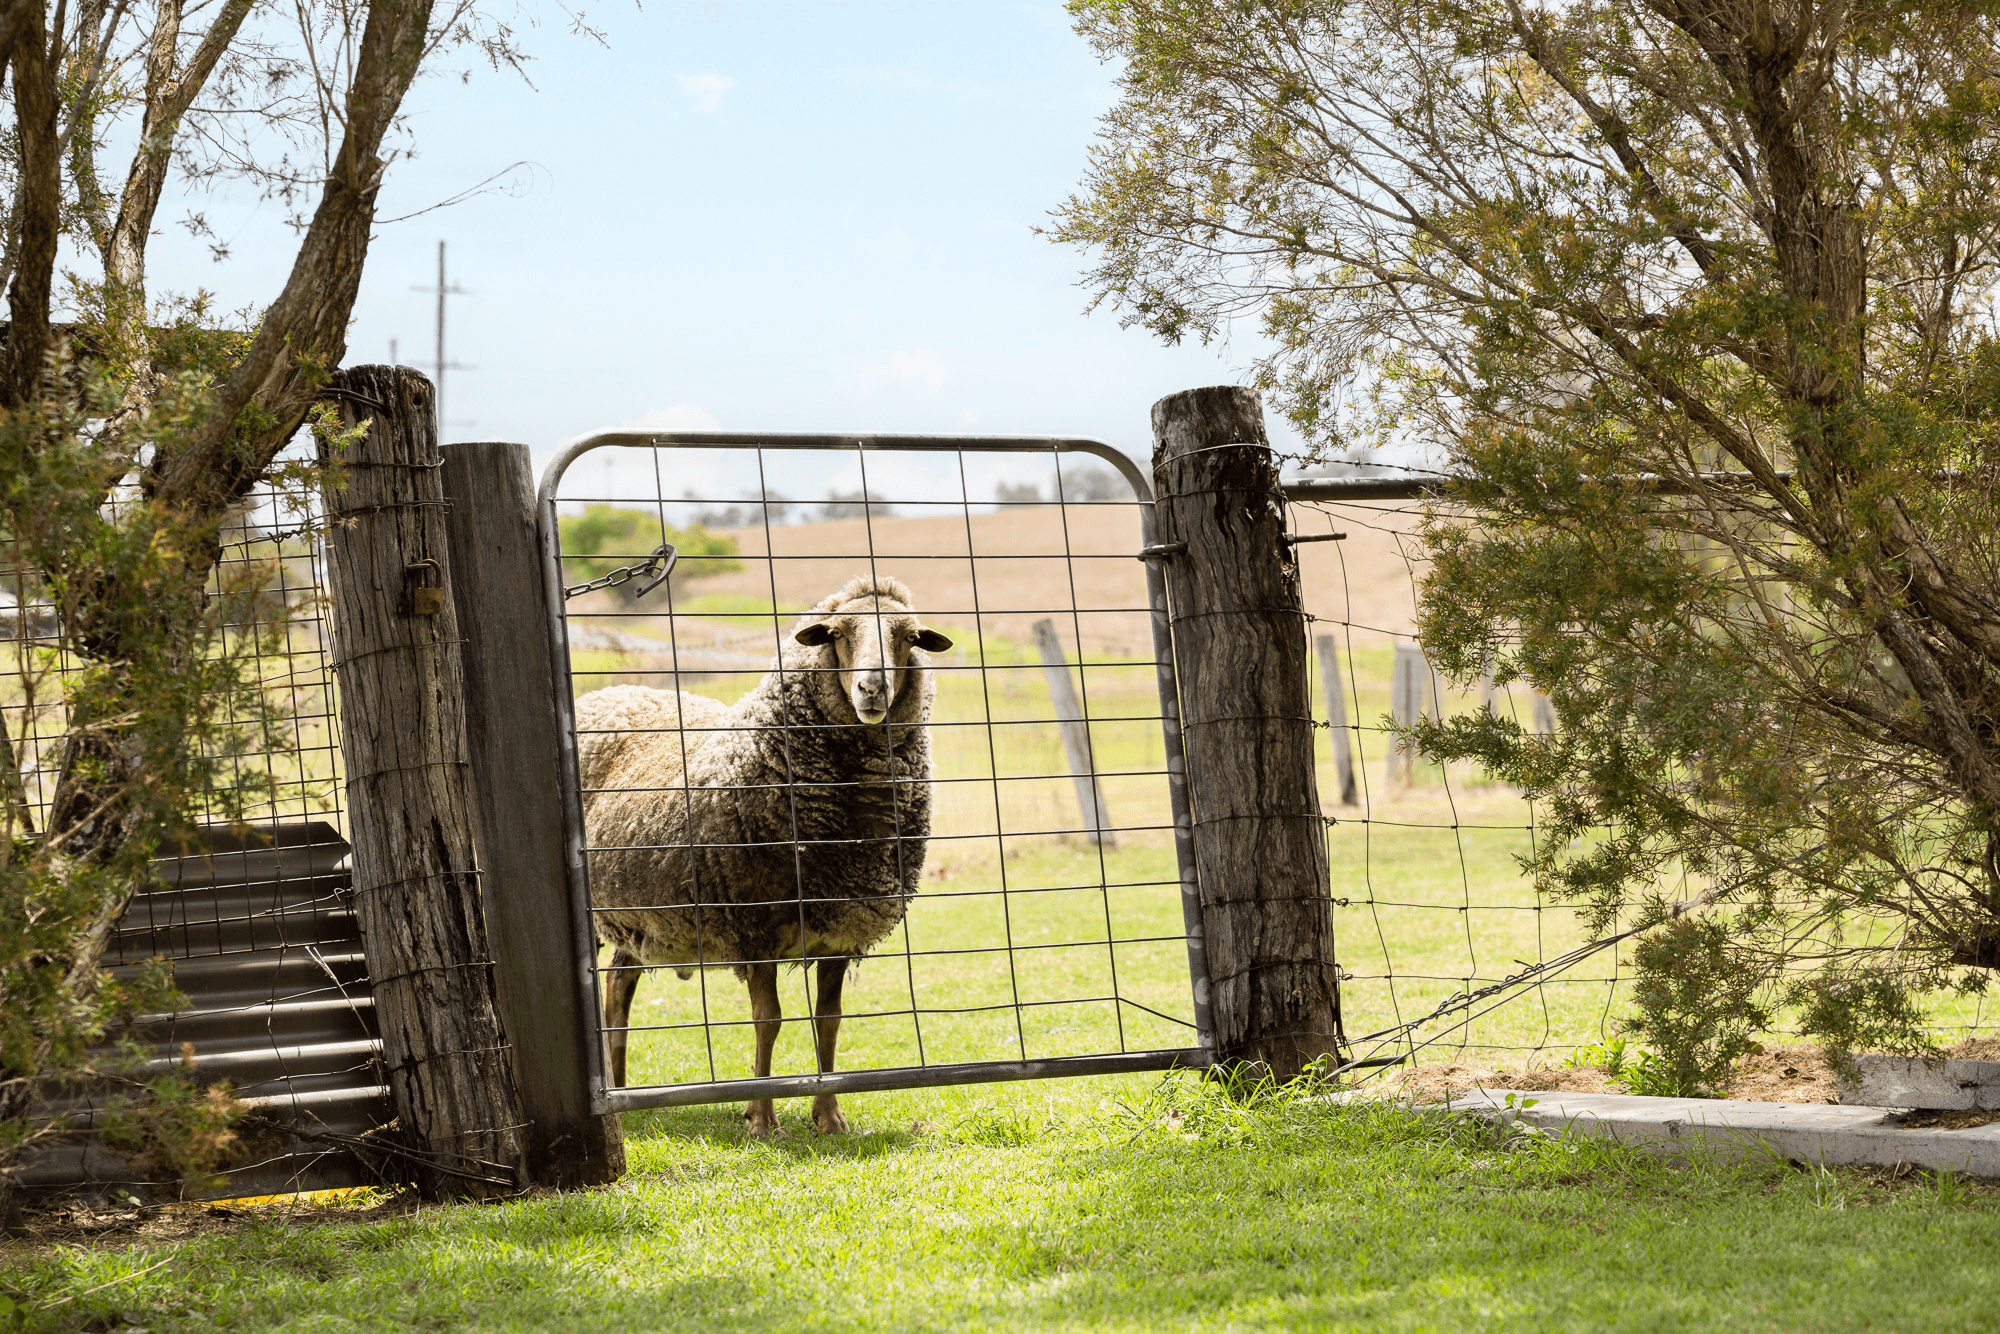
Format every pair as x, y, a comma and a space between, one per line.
426, 588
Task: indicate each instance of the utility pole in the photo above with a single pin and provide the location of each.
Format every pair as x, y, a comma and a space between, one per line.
443, 290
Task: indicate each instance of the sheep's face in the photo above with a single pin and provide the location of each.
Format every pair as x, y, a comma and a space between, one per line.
871, 646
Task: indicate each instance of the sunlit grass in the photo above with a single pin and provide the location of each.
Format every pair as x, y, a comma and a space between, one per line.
1110, 1204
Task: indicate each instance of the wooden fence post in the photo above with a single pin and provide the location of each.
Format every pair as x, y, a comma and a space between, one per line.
510, 683
402, 734
1075, 735
1336, 720
1240, 651
1412, 695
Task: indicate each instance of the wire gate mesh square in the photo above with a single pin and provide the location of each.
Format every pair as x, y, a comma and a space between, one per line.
1046, 918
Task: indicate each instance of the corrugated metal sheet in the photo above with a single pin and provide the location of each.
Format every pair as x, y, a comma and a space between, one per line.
263, 942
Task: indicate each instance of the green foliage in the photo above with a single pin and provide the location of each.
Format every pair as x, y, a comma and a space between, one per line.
1573, 247
1608, 1055
1650, 1077
627, 536
1696, 1004
147, 699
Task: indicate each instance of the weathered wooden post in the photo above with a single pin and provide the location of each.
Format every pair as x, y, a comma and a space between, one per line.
1075, 735
1415, 691
1336, 720
1240, 651
510, 684
402, 734
1545, 715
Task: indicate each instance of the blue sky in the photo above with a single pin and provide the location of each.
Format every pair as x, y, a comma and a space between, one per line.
793, 216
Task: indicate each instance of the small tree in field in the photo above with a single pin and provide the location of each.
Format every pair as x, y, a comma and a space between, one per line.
130, 435
1745, 248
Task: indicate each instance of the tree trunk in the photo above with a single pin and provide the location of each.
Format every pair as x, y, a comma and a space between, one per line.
1240, 650
510, 685
37, 228
402, 734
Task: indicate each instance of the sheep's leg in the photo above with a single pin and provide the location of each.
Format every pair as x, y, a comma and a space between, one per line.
621, 983
826, 1032
768, 1016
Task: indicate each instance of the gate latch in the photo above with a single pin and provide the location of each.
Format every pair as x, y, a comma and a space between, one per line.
426, 579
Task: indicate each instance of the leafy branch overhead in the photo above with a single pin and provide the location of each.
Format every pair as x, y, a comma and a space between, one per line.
1744, 246
135, 430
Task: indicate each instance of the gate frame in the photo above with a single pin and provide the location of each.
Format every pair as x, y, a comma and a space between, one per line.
584, 938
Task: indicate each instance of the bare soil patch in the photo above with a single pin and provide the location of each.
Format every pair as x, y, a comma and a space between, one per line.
1770, 1074
1364, 580
1775, 1074
41, 1230
1927, 1119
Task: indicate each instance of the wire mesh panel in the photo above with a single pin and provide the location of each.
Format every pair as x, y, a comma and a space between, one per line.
1008, 860
252, 912
1431, 903
1448, 950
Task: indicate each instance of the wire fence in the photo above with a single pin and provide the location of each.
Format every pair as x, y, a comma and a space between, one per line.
1448, 951
1026, 908
252, 911
269, 549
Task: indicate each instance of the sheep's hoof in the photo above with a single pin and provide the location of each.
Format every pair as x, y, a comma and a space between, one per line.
829, 1120
762, 1121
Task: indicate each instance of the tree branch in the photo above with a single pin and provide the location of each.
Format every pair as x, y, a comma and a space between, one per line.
39, 201
304, 333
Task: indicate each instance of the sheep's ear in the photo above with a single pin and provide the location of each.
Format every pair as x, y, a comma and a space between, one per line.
930, 641
819, 632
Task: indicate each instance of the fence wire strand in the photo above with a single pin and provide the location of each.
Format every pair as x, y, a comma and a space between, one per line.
1035, 934
1426, 873
254, 916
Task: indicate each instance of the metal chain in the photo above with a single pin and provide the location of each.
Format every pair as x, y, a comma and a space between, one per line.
660, 564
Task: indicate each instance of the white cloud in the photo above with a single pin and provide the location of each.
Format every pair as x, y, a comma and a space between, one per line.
679, 417
912, 364
704, 91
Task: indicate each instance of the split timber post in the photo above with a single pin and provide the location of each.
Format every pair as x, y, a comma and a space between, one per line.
1336, 720
1414, 692
1240, 651
402, 735
1075, 735
546, 996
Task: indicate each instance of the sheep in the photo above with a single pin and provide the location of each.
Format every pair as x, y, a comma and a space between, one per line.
791, 825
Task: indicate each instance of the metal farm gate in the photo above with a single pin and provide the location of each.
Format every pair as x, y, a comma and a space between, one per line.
1058, 925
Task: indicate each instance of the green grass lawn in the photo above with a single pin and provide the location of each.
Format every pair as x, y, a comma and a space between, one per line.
1114, 1204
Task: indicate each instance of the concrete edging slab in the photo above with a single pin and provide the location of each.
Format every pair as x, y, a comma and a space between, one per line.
1812, 1133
